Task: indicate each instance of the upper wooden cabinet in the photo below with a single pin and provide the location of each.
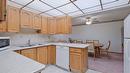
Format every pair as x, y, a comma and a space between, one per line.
26, 19
13, 19
52, 27
3, 26
64, 25
44, 28
37, 21
2, 9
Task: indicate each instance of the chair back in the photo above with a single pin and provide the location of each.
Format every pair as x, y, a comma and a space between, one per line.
91, 47
89, 41
96, 41
79, 41
109, 44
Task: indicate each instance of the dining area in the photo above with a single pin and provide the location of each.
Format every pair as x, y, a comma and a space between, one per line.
96, 48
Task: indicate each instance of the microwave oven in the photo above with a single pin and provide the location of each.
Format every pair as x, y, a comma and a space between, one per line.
4, 43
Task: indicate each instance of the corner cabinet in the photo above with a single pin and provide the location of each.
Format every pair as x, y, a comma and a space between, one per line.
2, 9
26, 19
13, 19
30, 53
37, 22
78, 60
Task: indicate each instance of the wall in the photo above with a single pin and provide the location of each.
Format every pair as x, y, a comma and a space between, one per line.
103, 32
22, 38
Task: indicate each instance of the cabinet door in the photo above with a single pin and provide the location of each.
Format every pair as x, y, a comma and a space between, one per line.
26, 19
61, 22
52, 25
2, 9
44, 29
68, 26
75, 61
51, 54
42, 55
13, 19
3, 26
37, 22
30, 53
64, 25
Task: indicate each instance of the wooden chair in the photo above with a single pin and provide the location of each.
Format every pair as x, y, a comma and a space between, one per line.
96, 41
89, 41
106, 50
79, 41
91, 49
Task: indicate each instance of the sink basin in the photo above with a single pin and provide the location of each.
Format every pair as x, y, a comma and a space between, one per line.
27, 45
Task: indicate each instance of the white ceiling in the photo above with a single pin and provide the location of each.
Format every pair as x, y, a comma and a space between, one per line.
66, 7
105, 16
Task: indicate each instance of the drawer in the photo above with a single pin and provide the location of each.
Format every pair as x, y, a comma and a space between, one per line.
77, 50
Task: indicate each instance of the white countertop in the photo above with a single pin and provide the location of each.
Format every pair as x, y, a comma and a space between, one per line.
57, 44
11, 62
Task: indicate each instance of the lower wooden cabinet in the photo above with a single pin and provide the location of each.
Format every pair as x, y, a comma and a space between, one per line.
18, 51
42, 55
47, 55
51, 54
78, 60
30, 53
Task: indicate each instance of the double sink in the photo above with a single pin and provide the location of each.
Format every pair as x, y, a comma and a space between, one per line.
31, 45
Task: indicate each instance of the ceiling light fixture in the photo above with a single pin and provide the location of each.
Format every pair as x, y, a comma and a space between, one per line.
88, 21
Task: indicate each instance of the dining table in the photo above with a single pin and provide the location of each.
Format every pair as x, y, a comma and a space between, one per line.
97, 48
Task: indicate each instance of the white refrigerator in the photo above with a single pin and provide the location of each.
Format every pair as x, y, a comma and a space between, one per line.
127, 44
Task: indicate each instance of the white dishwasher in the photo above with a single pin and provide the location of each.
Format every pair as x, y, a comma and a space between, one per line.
62, 57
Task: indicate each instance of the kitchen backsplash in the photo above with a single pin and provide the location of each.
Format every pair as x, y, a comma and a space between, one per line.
60, 37
20, 38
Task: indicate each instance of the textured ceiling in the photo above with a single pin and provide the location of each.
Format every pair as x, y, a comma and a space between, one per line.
67, 7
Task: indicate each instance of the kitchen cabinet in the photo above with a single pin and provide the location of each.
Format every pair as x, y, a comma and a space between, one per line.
30, 53
42, 55
26, 19
78, 60
37, 22
18, 51
3, 26
44, 27
52, 26
2, 9
63, 25
13, 19
51, 54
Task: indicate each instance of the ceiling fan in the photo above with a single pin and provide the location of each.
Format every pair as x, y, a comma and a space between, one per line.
90, 20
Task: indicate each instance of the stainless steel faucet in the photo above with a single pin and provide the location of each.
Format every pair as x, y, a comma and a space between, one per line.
29, 42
